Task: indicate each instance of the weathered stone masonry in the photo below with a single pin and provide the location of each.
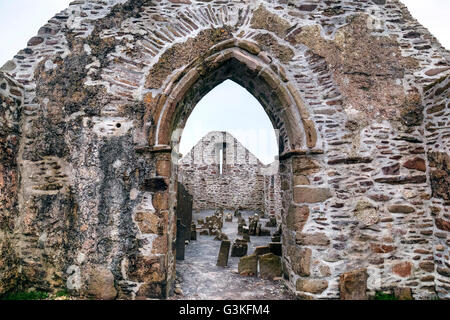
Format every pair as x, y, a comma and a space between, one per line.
357, 89
242, 184
437, 131
11, 102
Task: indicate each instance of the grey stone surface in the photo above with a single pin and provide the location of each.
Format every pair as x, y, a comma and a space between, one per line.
359, 94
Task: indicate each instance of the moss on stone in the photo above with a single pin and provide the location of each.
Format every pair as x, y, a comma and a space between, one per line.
265, 19
31, 295
181, 54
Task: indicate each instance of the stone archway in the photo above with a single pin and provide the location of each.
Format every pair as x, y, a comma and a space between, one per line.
245, 63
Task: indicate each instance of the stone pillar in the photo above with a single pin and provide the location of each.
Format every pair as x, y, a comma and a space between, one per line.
299, 196
168, 171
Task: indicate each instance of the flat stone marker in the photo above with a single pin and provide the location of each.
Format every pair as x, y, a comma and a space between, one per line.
224, 251
241, 224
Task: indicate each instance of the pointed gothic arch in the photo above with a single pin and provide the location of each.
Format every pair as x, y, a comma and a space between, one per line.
243, 62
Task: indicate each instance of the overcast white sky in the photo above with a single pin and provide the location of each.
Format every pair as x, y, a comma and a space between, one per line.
228, 107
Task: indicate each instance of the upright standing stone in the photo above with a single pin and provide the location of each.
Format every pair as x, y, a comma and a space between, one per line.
269, 266
353, 285
248, 265
241, 225
276, 248
193, 231
239, 248
272, 223
253, 224
222, 260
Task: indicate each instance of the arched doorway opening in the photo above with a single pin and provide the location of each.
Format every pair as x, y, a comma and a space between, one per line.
231, 108
228, 193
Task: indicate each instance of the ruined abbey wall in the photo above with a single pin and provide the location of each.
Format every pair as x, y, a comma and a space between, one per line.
239, 186
11, 103
272, 195
437, 130
357, 89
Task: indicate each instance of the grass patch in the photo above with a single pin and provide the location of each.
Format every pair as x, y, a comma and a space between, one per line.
33, 295
384, 296
62, 293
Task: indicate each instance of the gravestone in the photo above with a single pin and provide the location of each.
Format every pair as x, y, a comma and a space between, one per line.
239, 248
224, 251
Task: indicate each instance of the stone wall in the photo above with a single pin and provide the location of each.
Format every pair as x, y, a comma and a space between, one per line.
239, 186
363, 156
11, 103
272, 194
437, 131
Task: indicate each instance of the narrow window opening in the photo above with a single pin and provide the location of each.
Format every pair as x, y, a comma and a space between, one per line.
221, 162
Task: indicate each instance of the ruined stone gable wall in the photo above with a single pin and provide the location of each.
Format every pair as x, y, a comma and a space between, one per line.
95, 192
241, 184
